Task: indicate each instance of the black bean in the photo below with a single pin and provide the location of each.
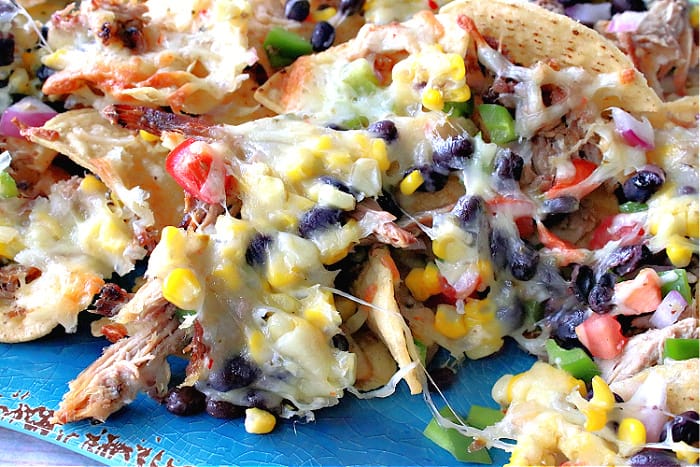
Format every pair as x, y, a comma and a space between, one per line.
640, 186
340, 342
564, 327
451, 153
468, 208
582, 281
256, 399
511, 317
684, 427
499, 244
297, 10
508, 165
388, 203
620, 6
235, 373
224, 409
7, 50
257, 249
318, 218
185, 400
334, 182
626, 259
618, 398
434, 179
523, 260
43, 72
322, 36
561, 205
654, 458
384, 129
600, 297
443, 378
350, 7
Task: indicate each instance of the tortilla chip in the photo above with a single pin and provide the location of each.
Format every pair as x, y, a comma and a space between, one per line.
376, 286
526, 33
132, 168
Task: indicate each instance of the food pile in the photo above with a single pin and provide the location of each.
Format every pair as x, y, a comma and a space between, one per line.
307, 200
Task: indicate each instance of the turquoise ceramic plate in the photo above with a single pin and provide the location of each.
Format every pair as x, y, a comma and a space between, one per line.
34, 376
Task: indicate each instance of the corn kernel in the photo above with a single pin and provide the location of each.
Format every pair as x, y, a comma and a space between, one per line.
256, 346
431, 279
457, 70
229, 274
411, 182
596, 418
685, 452
148, 137
323, 14
338, 160
461, 94
510, 395
414, 282
602, 395
283, 301
678, 252
306, 165
345, 307
449, 323
632, 431
449, 248
692, 225
693, 16
259, 421
378, 153
173, 238
55, 60
324, 143
280, 275
485, 269
182, 288
432, 99
92, 185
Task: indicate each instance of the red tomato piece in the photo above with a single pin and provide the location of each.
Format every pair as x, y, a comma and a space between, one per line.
582, 169
199, 170
602, 336
625, 227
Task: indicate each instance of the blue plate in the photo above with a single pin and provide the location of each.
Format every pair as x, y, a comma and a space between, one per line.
34, 376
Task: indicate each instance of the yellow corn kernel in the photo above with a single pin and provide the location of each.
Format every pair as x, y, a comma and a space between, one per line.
414, 282
148, 137
173, 238
338, 160
306, 165
19, 81
182, 288
227, 272
280, 275
449, 248
283, 301
485, 269
632, 431
259, 421
285, 221
411, 182
457, 70
449, 323
510, 386
693, 16
10, 243
431, 279
596, 418
461, 94
378, 152
92, 185
55, 60
362, 140
479, 312
432, 99
324, 143
685, 452
692, 225
323, 14
256, 346
678, 252
316, 316
602, 395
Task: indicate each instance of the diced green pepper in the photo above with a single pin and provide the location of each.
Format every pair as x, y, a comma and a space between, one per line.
681, 349
498, 122
534, 311
182, 314
574, 361
356, 123
8, 187
459, 109
359, 75
453, 441
676, 279
480, 417
633, 206
283, 47
422, 350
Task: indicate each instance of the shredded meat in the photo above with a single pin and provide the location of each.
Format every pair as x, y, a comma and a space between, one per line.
126, 26
381, 224
13, 276
110, 299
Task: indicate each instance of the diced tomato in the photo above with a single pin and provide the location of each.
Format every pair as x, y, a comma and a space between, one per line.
625, 227
602, 336
513, 207
199, 170
639, 295
448, 292
526, 226
582, 169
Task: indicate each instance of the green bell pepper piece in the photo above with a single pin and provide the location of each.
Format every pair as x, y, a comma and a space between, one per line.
8, 187
283, 47
480, 417
633, 206
574, 361
498, 122
676, 279
681, 349
453, 441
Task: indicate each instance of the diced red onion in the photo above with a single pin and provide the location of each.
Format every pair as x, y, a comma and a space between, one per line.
589, 13
30, 111
648, 405
627, 21
635, 133
668, 310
